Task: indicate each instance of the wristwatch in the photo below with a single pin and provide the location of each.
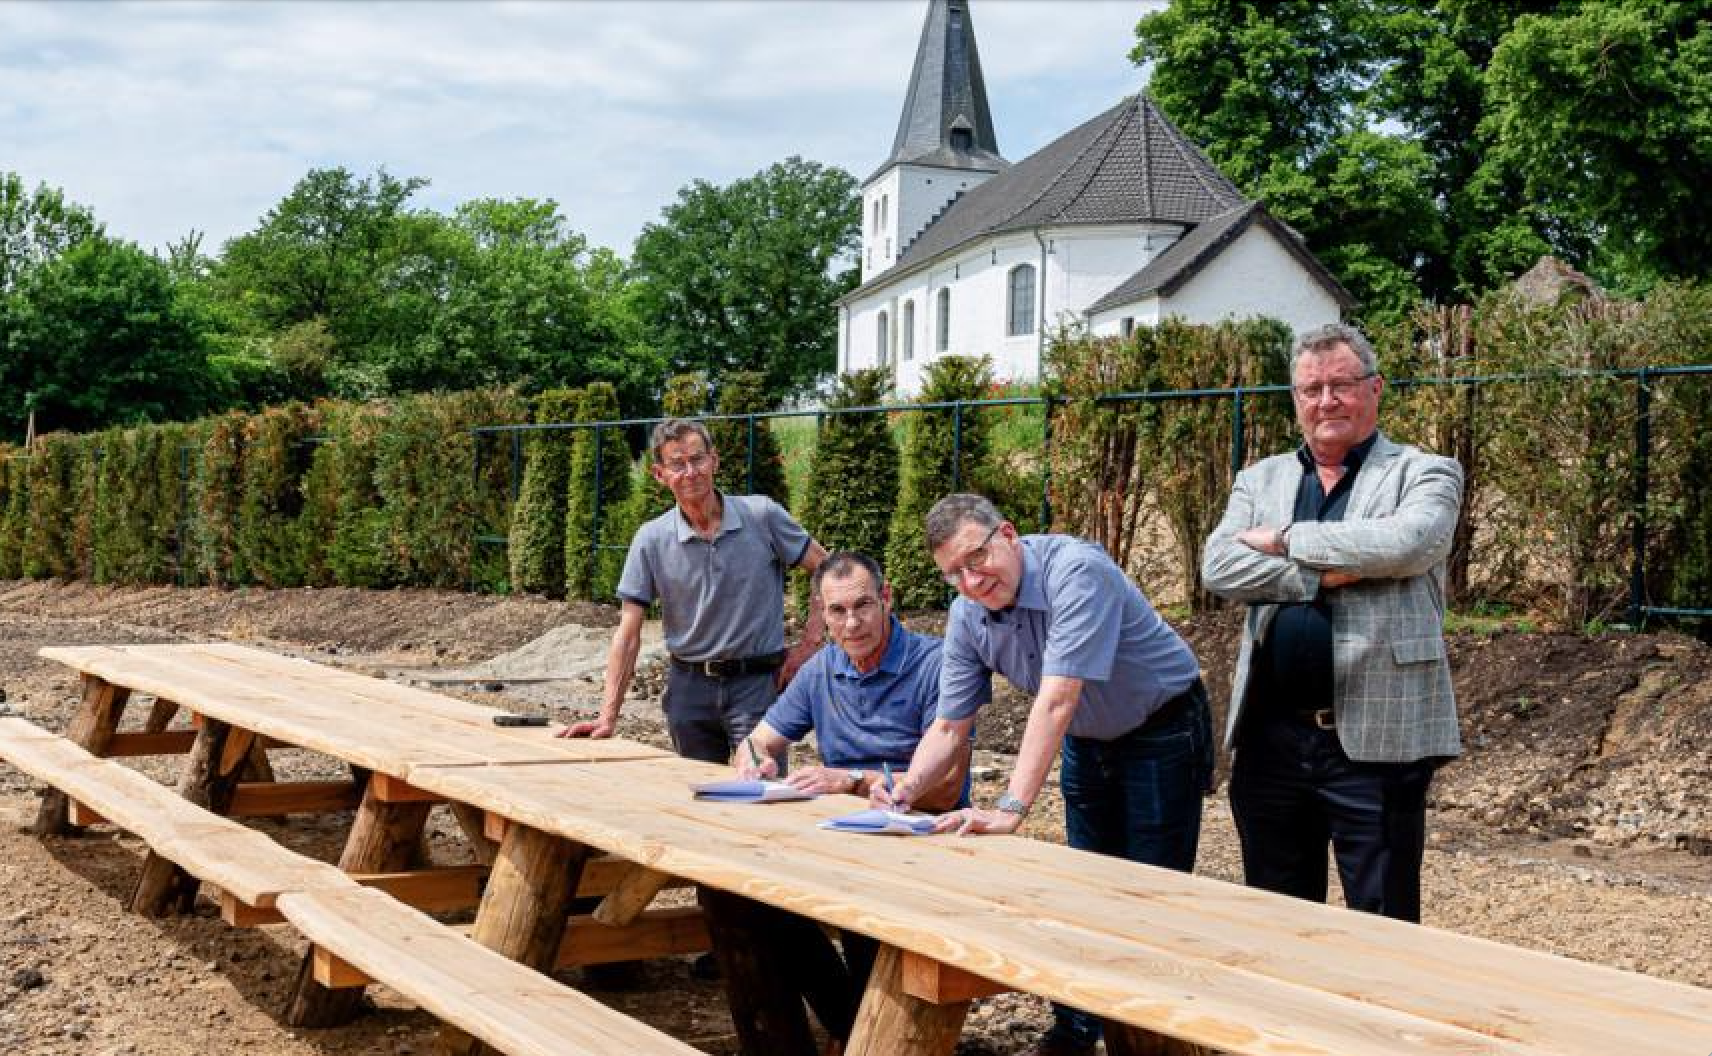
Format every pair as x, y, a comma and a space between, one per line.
856, 778
1010, 804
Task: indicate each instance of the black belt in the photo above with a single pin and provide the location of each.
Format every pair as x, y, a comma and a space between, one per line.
733, 667
1171, 709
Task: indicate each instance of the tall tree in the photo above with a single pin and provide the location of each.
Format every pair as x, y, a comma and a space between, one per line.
745, 277
36, 227
99, 337
1601, 109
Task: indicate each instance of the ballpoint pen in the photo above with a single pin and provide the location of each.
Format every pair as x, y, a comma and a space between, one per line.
754, 756
886, 768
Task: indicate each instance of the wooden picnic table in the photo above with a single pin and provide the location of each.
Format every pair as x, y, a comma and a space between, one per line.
1171, 961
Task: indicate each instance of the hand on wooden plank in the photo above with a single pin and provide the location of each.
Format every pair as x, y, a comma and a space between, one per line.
972, 820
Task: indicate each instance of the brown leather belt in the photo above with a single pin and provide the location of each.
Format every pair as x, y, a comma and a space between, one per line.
1319, 718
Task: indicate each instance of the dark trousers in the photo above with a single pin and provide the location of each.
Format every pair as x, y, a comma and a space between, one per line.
707, 716
1137, 797
1293, 791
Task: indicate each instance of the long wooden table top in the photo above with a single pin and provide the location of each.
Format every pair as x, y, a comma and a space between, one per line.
1219, 964
1242, 970
369, 722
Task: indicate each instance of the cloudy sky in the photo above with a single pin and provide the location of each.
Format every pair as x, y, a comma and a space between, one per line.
166, 116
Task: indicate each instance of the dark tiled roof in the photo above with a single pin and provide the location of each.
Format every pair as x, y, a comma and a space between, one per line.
946, 93
1129, 165
1183, 259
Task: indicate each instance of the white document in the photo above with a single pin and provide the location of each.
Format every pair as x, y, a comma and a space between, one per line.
737, 790
885, 822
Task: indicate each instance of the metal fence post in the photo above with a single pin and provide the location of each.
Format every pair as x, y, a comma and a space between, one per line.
1638, 526
957, 445
749, 478
516, 463
594, 552
1046, 464
1236, 448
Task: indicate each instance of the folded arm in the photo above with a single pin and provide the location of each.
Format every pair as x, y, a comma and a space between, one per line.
1408, 542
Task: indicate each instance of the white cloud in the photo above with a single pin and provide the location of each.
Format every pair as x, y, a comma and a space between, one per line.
164, 117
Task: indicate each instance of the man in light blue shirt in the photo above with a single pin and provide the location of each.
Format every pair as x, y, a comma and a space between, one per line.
868, 695
1112, 683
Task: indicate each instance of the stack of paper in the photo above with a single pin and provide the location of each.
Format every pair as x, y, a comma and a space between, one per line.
736, 790
881, 821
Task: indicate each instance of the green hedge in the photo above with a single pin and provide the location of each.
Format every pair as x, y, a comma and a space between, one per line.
744, 392
599, 485
944, 451
537, 546
853, 485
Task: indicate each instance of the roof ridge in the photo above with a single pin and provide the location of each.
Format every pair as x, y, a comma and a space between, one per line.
1197, 162
1048, 186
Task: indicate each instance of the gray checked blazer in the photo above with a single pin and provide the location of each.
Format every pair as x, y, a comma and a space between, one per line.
1391, 680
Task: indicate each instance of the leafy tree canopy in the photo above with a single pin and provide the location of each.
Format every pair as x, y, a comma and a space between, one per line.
1433, 148
746, 276
36, 227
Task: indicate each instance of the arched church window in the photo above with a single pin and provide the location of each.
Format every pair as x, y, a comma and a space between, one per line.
881, 342
906, 341
1021, 301
942, 324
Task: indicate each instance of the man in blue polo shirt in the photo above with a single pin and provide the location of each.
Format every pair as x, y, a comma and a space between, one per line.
868, 696
1112, 683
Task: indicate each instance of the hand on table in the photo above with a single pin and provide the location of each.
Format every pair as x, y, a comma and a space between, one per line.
972, 820
596, 728
821, 780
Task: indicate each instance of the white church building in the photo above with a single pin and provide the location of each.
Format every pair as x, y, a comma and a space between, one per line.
1118, 223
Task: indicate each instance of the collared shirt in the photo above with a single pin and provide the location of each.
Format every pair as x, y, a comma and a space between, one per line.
863, 719
720, 599
1293, 667
1076, 615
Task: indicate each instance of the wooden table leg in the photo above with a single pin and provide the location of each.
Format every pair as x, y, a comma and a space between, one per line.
98, 716
892, 1023
1125, 1040
384, 838
209, 779
525, 908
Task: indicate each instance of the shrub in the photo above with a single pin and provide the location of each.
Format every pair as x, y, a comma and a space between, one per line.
215, 491
136, 519
599, 484
853, 485
57, 479
537, 542
345, 530
277, 456
941, 456
434, 501
14, 510
742, 472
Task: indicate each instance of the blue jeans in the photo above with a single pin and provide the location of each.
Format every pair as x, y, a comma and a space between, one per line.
1138, 797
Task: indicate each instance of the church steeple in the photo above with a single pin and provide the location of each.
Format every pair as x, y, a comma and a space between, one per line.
946, 122
945, 143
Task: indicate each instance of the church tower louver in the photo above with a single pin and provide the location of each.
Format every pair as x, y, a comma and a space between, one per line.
945, 143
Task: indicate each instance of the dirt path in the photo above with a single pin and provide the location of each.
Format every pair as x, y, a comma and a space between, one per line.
1570, 827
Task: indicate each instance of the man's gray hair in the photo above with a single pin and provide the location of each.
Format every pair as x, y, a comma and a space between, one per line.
953, 512
840, 563
675, 429
1326, 338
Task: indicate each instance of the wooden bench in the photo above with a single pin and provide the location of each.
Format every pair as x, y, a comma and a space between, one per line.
507, 1005
358, 933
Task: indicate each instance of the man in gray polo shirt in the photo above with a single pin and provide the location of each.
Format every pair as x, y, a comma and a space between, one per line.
716, 564
1111, 681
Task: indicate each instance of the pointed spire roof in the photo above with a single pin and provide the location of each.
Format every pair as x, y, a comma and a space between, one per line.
946, 121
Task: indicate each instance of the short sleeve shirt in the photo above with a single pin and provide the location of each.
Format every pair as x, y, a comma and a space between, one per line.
863, 719
1076, 615
723, 599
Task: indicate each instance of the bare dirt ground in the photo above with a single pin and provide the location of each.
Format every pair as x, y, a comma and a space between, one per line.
1577, 823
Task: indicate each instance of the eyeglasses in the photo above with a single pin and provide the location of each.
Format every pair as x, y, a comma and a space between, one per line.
1342, 389
685, 466
973, 561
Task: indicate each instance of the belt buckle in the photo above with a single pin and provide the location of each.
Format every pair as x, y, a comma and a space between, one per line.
1324, 719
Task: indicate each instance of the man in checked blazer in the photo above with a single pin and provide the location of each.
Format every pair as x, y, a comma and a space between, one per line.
1341, 707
